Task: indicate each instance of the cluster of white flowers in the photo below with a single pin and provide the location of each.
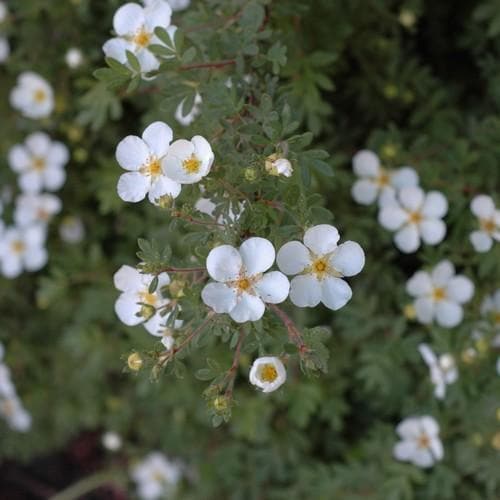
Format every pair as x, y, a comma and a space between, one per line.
39, 164
420, 443
443, 369
488, 216
156, 476
4, 42
11, 407
157, 168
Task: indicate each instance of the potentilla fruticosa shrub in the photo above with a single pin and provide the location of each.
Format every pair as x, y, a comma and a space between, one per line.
254, 244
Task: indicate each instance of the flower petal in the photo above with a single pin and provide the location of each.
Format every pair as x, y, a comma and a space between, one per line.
419, 284
366, 163
432, 231
293, 257
364, 191
128, 19
424, 309
409, 428
404, 450
305, 291
257, 254
132, 187
147, 61
35, 258
163, 186
220, 297
158, 136
392, 217
132, 152
128, 279
224, 263
321, 239
442, 273
435, 205
116, 48
335, 293
273, 288
54, 178
157, 14
38, 143
248, 308
127, 307
411, 198
57, 155
407, 239
460, 289
404, 177
429, 426
348, 258
481, 241
482, 206
19, 159
427, 354
448, 314
422, 458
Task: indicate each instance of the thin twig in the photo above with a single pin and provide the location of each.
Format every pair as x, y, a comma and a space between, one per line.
293, 332
189, 218
231, 374
210, 64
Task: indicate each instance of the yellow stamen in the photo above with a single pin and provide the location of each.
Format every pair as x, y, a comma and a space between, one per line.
243, 284
39, 96
191, 165
43, 214
152, 167
320, 267
383, 179
487, 225
148, 298
415, 217
438, 294
142, 38
268, 373
39, 163
18, 246
423, 441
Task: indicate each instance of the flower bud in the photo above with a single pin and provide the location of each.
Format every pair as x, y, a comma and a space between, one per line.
389, 151
278, 166
407, 18
165, 201
495, 441
221, 403
250, 174
176, 289
469, 355
409, 311
135, 362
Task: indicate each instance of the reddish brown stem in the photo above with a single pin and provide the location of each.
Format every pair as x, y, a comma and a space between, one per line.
293, 332
188, 218
231, 374
211, 64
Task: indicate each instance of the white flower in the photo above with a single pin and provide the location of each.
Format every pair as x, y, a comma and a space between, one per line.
439, 295
143, 157
377, 183
156, 476
420, 443
14, 413
22, 248
39, 162
320, 265
4, 49
188, 118
175, 4
443, 369
73, 58
33, 208
276, 166
136, 305
71, 229
415, 215
32, 96
134, 26
7, 389
111, 441
157, 326
267, 373
208, 207
488, 215
188, 162
242, 285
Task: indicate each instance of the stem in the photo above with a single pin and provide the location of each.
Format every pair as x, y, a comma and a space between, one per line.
182, 270
234, 367
88, 484
188, 218
293, 332
211, 64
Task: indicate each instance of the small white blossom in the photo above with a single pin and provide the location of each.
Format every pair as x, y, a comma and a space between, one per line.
175, 4
415, 215
443, 369
186, 119
136, 305
15, 414
188, 162
111, 441
71, 229
488, 216
39, 162
73, 58
376, 182
22, 248
143, 158
156, 476
134, 26
439, 295
420, 443
267, 373
242, 286
320, 265
7, 388
278, 166
34, 208
32, 96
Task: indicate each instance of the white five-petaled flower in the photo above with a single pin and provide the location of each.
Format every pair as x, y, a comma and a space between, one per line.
39, 162
71, 229
156, 476
32, 96
420, 443
320, 265
275, 165
22, 248
415, 215
439, 295
267, 373
242, 285
33, 208
443, 369
186, 119
73, 58
134, 26
483, 207
136, 305
188, 162
143, 158
376, 182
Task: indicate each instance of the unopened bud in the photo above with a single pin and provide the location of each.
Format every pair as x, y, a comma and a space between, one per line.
250, 174
165, 201
278, 166
409, 311
221, 403
389, 151
135, 362
176, 289
407, 18
495, 441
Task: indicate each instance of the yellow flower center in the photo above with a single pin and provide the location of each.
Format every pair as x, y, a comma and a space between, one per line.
191, 165
39, 96
152, 167
320, 267
39, 163
415, 217
157, 476
148, 298
383, 179
496, 318
142, 38
243, 284
438, 294
43, 214
423, 441
268, 373
18, 246
487, 225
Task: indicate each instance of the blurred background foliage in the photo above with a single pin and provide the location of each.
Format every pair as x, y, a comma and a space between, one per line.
419, 83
